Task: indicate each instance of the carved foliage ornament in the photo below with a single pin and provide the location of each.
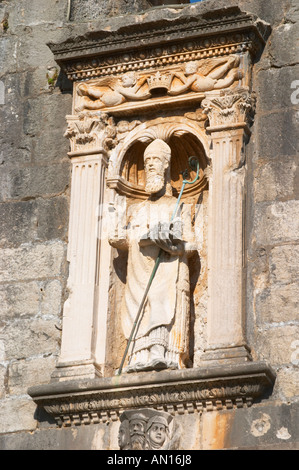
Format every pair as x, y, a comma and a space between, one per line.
231, 107
91, 130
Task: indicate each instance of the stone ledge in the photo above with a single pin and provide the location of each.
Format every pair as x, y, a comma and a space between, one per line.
175, 391
151, 44
156, 31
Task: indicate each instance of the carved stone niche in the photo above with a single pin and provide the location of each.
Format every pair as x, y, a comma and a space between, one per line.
168, 91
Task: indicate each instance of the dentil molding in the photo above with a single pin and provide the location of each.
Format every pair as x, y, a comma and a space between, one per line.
150, 44
176, 392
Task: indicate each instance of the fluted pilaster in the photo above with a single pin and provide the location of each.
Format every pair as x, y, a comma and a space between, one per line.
228, 118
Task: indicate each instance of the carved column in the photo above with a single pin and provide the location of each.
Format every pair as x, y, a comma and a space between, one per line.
89, 162
228, 113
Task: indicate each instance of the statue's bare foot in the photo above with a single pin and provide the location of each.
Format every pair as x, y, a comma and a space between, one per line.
234, 60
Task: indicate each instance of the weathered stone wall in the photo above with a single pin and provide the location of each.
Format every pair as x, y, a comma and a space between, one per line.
89, 9
34, 205
273, 206
34, 191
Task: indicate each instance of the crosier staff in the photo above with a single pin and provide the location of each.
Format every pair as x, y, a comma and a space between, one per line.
194, 165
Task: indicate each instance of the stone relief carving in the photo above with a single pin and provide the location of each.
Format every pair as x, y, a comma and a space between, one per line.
198, 115
88, 130
162, 336
111, 92
193, 391
147, 429
195, 76
230, 107
204, 64
207, 75
224, 32
124, 127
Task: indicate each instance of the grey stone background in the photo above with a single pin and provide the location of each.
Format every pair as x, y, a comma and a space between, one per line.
34, 205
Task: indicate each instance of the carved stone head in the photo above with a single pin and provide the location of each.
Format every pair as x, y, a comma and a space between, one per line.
137, 425
123, 435
144, 429
157, 432
129, 79
157, 166
191, 67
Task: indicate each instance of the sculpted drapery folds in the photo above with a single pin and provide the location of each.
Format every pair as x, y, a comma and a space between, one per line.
162, 335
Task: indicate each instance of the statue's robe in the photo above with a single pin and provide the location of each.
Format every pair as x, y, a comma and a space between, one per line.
159, 308
167, 307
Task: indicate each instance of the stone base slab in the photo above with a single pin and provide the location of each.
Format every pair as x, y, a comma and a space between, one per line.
76, 370
176, 391
223, 355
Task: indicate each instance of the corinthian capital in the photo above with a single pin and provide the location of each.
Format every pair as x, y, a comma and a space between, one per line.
90, 131
231, 108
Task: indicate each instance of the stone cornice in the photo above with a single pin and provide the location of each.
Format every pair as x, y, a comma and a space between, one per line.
176, 391
146, 44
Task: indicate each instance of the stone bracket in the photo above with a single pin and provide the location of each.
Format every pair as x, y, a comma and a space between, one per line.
176, 392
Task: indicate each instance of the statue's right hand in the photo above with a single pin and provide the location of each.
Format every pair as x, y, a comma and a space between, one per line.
162, 236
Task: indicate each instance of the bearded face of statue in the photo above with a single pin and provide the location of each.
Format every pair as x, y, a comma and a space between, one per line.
156, 166
137, 430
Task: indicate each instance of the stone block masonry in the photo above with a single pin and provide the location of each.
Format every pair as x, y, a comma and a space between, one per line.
273, 229
34, 205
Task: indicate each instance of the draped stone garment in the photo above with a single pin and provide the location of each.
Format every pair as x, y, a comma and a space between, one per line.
160, 306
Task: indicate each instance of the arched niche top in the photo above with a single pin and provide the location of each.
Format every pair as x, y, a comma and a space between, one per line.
185, 138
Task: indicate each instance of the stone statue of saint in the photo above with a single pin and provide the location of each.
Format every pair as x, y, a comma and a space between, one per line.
161, 338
